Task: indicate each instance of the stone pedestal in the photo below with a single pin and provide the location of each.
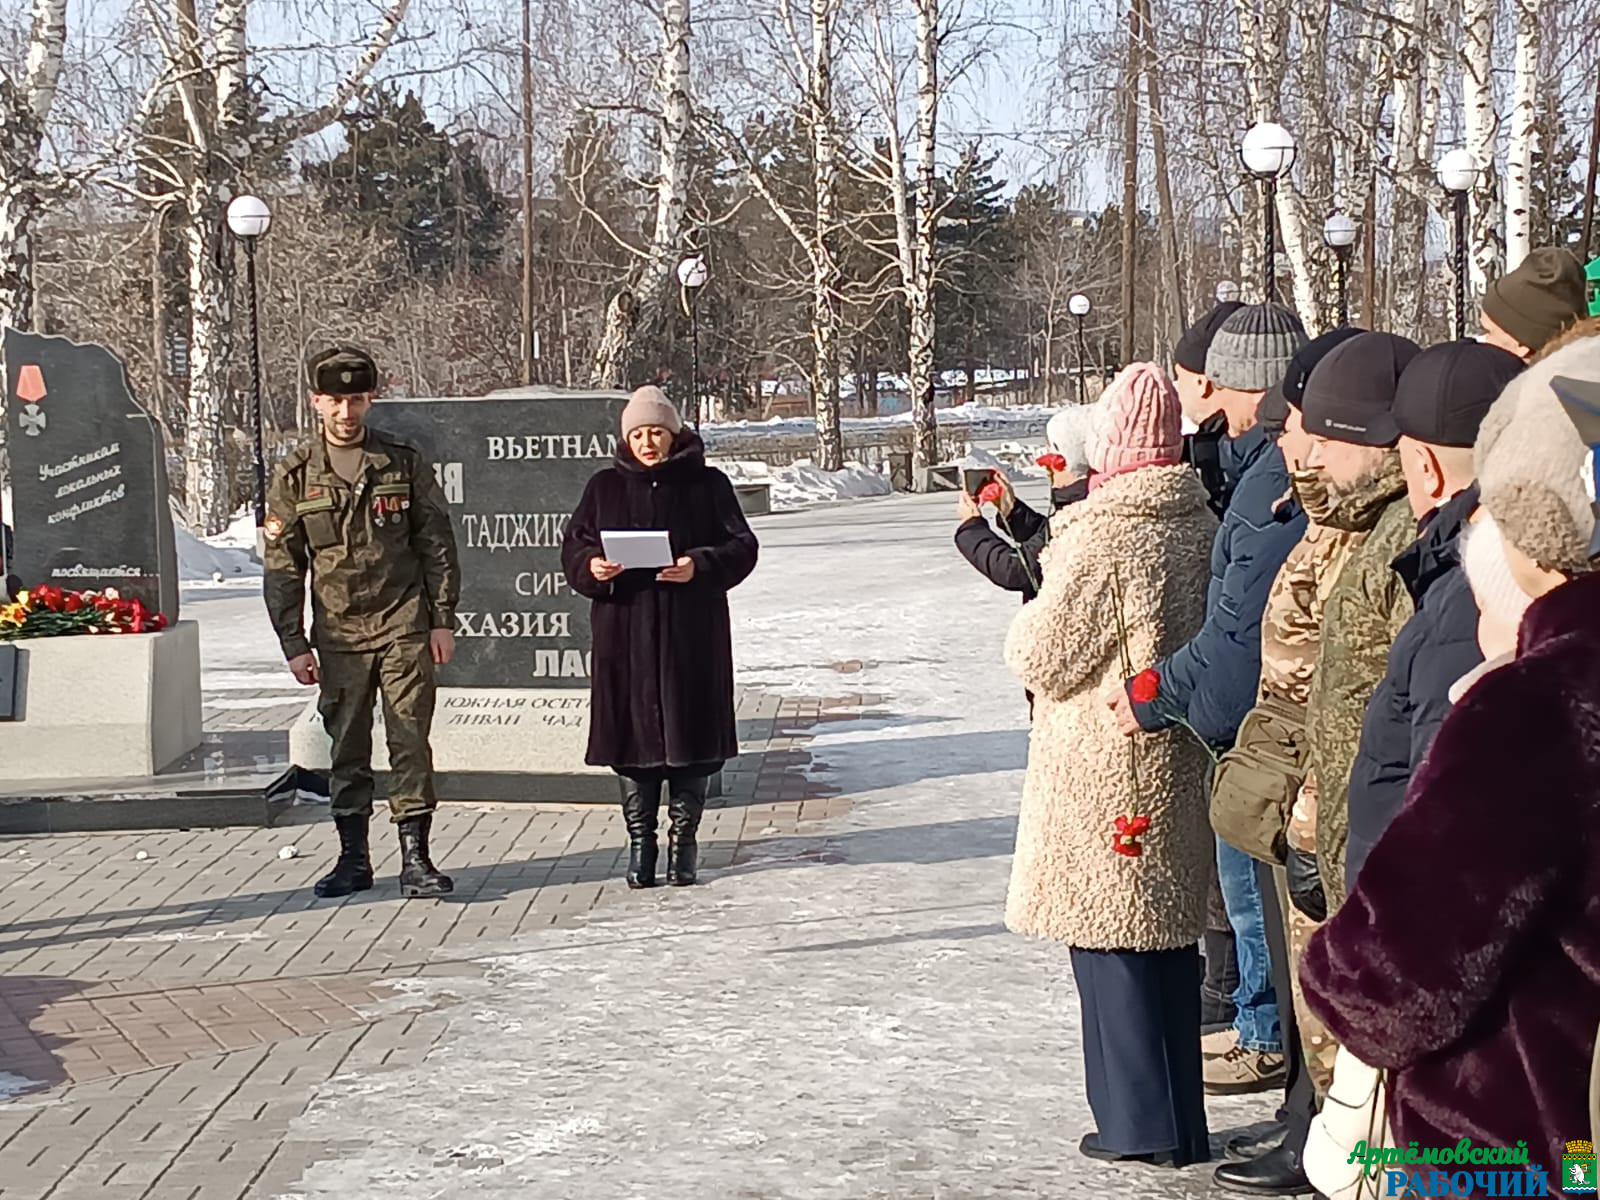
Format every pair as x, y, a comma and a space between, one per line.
511, 744
103, 707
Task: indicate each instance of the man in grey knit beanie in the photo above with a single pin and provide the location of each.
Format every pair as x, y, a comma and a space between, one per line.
1249, 356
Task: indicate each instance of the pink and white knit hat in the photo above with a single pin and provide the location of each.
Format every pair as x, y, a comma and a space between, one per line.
1141, 423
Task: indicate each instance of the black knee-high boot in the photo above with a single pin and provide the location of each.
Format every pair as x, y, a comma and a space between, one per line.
684, 806
640, 800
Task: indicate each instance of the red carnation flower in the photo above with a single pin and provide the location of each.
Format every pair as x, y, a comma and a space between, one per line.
1051, 462
1129, 830
1146, 686
990, 492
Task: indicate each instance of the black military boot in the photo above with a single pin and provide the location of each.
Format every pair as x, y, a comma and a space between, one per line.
419, 878
684, 806
640, 801
353, 871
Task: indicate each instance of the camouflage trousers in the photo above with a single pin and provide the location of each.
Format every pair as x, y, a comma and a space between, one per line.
402, 675
1315, 1040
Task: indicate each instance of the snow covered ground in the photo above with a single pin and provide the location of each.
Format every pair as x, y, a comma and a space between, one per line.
978, 420
844, 1018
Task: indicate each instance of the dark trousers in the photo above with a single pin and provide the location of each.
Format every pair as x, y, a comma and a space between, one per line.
402, 674
1300, 1093
1141, 1050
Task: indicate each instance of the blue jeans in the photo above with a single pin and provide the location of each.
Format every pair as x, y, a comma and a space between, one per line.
1257, 1003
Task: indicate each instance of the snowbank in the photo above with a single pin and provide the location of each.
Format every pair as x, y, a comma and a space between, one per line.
803, 484
1016, 459
226, 557
974, 418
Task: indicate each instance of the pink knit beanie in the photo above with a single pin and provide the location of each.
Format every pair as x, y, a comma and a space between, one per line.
1143, 424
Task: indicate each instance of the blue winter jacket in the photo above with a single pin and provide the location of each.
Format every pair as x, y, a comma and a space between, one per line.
1214, 679
1437, 646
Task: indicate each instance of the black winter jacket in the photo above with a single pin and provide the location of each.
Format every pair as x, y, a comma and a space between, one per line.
662, 674
997, 559
1206, 450
1436, 647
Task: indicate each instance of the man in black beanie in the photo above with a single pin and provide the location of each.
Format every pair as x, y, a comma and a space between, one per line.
1439, 403
1202, 449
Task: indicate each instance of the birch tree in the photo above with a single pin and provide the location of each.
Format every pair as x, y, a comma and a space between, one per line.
201, 169
25, 104
912, 190
824, 261
809, 59
1410, 166
636, 309
1524, 139
919, 284
1481, 125
1264, 43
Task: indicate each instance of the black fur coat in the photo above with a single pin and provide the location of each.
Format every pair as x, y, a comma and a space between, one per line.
662, 673
1467, 959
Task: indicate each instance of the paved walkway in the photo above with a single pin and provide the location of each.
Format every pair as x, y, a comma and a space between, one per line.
837, 1013
163, 1018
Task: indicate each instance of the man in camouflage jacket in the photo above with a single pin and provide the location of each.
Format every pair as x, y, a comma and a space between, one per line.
1291, 632
1347, 407
362, 516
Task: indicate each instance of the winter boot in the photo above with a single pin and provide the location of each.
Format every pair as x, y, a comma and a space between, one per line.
419, 878
640, 801
684, 806
353, 871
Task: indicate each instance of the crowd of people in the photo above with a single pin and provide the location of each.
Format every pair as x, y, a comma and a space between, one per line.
1316, 690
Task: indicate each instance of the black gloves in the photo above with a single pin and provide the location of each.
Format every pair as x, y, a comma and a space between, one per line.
1305, 884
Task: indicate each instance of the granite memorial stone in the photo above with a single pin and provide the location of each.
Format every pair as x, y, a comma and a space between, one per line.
89, 475
513, 468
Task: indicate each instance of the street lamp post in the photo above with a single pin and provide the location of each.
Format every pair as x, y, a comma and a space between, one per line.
692, 275
249, 218
1268, 151
1458, 171
1339, 233
1078, 305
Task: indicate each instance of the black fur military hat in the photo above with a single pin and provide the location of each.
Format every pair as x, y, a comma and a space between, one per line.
341, 371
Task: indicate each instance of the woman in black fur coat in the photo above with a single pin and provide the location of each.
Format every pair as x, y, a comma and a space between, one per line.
662, 674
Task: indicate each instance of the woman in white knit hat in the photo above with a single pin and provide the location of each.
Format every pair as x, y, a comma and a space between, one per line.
661, 712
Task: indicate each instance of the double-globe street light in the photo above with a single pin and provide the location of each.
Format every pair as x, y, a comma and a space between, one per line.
1458, 171
1078, 305
1339, 234
249, 218
1267, 152
692, 276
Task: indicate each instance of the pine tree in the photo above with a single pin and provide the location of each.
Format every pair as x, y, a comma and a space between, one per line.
976, 252
429, 189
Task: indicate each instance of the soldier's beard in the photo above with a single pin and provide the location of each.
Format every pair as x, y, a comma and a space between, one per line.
1340, 494
344, 433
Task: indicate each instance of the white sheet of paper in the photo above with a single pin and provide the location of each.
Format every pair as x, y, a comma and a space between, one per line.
646, 549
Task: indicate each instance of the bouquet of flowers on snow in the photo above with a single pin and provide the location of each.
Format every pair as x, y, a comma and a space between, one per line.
47, 611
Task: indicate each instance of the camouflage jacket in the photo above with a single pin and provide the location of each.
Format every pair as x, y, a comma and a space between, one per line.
380, 554
1291, 626
1366, 609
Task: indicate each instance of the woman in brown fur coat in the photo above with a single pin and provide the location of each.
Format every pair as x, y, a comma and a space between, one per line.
1131, 905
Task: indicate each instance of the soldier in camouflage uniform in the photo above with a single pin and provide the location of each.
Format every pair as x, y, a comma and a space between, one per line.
363, 516
1291, 633
1291, 628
